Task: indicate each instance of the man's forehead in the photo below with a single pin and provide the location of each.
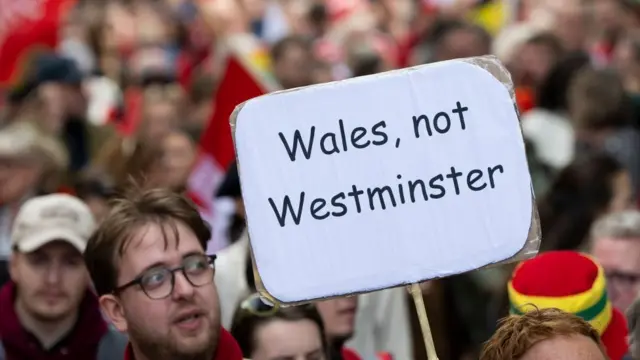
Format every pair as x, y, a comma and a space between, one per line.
610, 242
154, 243
574, 347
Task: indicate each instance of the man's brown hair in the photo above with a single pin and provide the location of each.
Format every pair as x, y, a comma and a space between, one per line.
519, 333
129, 213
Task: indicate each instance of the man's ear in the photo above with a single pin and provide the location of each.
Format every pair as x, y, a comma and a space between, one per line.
113, 310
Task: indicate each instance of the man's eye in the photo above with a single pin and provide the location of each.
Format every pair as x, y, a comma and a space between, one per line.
154, 279
38, 259
196, 265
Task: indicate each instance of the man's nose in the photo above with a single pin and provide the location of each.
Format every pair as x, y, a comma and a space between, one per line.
182, 288
54, 274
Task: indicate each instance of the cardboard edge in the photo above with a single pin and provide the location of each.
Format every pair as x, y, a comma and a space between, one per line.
531, 246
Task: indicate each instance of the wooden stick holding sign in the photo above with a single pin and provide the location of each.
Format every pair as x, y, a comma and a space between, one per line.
385, 180
416, 293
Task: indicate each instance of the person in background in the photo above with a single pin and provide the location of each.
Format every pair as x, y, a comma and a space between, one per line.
602, 116
547, 126
593, 185
615, 243
453, 40
382, 321
48, 309
338, 316
31, 163
292, 62
572, 282
544, 334
230, 188
266, 332
54, 92
633, 319
95, 187
154, 279
178, 157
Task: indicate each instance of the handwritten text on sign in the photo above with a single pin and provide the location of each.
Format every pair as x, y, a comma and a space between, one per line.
379, 181
301, 147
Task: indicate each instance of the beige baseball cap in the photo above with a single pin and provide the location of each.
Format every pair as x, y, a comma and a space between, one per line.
24, 138
48, 218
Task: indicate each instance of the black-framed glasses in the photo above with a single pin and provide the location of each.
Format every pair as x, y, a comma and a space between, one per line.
157, 283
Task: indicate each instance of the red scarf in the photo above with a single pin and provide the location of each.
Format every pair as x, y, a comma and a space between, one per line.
228, 348
348, 354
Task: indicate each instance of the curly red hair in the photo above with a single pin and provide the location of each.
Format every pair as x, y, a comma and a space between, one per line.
519, 333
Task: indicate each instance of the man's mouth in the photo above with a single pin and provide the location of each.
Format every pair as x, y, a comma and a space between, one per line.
190, 320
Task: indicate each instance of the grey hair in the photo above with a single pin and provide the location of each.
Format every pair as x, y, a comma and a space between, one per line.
621, 225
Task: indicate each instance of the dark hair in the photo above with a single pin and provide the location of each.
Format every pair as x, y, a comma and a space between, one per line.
280, 48
581, 192
135, 209
597, 100
246, 325
367, 65
94, 182
444, 28
552, 93
548, 40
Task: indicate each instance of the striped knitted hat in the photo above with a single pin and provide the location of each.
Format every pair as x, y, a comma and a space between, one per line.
572, 282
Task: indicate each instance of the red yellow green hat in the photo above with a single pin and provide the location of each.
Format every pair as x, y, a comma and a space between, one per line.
572, 282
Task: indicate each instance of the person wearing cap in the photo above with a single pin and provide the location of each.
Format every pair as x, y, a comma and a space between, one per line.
572, 282
31, 163
48, 310
56, 85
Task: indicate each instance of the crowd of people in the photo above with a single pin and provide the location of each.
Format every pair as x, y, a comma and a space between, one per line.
103, 249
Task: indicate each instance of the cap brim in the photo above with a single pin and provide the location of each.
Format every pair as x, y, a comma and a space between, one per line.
36, 241
614, 338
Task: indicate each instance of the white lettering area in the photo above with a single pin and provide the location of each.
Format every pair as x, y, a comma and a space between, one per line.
382, 181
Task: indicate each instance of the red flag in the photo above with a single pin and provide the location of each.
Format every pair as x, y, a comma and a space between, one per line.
246, 76
26, 27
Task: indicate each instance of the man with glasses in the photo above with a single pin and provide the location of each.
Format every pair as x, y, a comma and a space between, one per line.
48, 310
615, 243
148, 264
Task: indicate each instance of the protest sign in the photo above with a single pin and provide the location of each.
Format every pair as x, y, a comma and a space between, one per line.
384, 180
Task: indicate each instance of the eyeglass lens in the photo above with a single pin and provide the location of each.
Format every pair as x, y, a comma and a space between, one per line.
158, 283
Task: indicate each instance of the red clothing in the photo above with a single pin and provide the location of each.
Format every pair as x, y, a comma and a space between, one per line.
228, 348
81, 343
348, 354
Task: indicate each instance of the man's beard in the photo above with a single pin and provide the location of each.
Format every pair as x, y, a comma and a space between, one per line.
156, 347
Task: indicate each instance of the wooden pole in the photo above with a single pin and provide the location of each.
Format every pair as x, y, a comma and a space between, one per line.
416, 293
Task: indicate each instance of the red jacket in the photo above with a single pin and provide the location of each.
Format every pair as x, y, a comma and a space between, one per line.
228, 348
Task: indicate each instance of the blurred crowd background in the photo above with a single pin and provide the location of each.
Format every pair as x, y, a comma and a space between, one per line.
95, 93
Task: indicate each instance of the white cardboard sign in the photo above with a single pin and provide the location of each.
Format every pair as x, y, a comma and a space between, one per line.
384, 180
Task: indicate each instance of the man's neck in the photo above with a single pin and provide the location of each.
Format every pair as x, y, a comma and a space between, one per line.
47, 332
159, 354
